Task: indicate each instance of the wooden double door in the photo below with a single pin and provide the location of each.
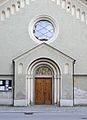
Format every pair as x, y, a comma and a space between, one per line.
43, 91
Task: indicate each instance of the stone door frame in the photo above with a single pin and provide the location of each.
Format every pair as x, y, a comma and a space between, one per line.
56, 78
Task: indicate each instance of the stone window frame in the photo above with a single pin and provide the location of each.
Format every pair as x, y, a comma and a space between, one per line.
43, 17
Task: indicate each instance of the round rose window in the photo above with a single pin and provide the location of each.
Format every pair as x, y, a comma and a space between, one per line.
43, 30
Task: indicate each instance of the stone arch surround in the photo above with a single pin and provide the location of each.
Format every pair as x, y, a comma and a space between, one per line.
56, 77
56, 60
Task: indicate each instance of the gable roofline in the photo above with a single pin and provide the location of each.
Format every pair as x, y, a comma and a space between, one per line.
82, 3
42, 45
2, 2
61, 52
6, 4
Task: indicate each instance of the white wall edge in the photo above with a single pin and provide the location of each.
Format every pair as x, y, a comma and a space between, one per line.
64, 102
80, 101
6, 101
22, 102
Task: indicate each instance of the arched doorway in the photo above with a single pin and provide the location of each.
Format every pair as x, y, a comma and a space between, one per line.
43, 82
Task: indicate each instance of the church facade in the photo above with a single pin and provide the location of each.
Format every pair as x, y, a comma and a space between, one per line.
43, 52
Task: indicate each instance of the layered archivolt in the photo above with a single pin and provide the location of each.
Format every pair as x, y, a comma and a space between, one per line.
70, 7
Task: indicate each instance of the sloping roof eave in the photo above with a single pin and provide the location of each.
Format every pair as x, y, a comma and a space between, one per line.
45, 45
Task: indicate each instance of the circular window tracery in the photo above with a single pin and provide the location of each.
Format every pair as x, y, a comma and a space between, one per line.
43, 30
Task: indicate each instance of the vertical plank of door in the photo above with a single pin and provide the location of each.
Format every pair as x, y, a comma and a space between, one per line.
48, 91
39, 97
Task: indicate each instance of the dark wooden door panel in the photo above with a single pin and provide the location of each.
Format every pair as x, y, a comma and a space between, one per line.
39, 97
48, 91
43, 91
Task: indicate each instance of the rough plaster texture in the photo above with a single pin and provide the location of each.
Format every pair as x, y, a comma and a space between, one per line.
71, 40
15, 39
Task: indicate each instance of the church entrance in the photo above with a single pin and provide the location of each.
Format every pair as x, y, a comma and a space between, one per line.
43, 91
43, 82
